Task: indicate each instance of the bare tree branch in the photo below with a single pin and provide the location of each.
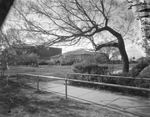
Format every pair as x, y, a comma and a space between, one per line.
75, 20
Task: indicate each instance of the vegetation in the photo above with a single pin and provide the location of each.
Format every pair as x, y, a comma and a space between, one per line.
134, 72
102, 23
21, 101
99, 58
141, 83
30, 59
90, 68
63, 71
66, 61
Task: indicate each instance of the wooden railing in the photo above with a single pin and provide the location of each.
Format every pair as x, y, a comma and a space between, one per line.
82, 81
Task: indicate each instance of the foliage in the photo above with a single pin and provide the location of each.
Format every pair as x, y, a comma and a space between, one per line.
98, 58
30, 59
115, 62
19, 100
139, 67
9, 55
101, 58
112, 80
67, 61
90, 68
145, 73
43, 62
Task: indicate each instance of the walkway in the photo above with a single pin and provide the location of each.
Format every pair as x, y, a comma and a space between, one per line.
137, 105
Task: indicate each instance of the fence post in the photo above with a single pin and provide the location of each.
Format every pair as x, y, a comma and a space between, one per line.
17, 78
38, 83
66, 89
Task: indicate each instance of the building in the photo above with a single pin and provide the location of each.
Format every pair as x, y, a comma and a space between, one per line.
46, 52
78, 55
73, 56
42, 51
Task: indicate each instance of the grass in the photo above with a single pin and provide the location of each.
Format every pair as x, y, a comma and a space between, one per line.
58, 71
22, 101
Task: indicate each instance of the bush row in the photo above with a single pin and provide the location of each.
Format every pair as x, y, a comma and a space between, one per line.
90, 68
111, 80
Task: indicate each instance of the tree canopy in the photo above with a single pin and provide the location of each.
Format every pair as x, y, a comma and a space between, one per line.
101, 22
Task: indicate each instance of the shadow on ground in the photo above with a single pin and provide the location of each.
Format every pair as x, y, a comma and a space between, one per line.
19, 100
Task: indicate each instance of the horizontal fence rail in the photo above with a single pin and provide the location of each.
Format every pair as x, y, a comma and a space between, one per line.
90, 82
42, 76
113, 84
47, 77
109, 76
66, 88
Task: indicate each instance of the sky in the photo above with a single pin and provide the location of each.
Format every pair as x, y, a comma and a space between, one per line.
133, 49
89, 46
128, 44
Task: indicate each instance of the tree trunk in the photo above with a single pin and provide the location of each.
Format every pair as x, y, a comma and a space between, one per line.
121, 47
123, 53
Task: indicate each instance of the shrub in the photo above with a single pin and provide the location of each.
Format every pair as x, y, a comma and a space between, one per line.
100, 58
92, 68
115, 62
30, 59
111, 80
145, 72
43, 62
139, 67
67, 62
85, 67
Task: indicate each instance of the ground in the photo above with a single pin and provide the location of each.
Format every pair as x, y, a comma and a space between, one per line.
59, 71
23, 101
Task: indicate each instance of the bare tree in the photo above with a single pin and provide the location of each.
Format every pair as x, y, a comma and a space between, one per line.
77, 20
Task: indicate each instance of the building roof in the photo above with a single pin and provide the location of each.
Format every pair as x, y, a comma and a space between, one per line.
79, 52
56, 56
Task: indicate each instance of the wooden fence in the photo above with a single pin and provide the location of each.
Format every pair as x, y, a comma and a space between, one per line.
82, 81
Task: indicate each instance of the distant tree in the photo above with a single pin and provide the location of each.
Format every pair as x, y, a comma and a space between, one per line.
31, 59
7, 57
102, 58
97, 58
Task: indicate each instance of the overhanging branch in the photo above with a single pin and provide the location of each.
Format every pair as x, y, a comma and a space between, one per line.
106, 45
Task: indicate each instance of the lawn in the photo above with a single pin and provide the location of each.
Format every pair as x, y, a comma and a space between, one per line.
23, 101
59, 71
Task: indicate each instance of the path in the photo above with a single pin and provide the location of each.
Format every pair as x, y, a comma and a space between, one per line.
136, 105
